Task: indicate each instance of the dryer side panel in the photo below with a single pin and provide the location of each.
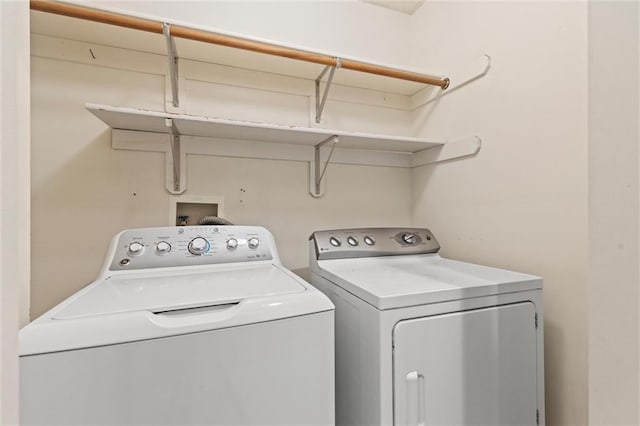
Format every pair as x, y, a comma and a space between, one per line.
467, 368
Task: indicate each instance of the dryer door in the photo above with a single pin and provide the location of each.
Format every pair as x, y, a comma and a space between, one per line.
467, 368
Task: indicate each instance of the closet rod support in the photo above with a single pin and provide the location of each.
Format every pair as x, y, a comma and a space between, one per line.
173, 63
175, 154
319, 175
320, 102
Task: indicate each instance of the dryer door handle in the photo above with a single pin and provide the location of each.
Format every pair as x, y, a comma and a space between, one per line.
415, 399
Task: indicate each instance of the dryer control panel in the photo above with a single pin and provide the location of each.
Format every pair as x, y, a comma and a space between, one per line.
164, 247
370, 242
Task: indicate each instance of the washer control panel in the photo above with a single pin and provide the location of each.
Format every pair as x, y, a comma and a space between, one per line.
189, 245
369, 242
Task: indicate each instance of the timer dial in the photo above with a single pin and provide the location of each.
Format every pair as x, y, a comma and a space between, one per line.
409, 238
198, 246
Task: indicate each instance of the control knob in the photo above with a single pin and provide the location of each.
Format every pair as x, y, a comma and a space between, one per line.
352, 241
135, 249
409, 238
163, 247
198, 246
232, 243
369, 240
253, 242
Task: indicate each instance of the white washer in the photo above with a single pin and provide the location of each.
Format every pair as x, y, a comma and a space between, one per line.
184, 326
423, 340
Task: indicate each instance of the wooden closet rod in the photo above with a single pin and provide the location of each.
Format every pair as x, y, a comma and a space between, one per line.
148, 25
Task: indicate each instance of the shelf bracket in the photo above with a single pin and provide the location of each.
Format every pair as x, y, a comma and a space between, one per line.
317, 175
461, 148
173, 63
461, 76
321, 101
175, 157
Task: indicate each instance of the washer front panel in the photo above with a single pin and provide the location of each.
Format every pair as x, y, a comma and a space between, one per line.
149, 248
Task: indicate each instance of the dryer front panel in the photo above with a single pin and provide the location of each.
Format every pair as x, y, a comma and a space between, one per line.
467, 368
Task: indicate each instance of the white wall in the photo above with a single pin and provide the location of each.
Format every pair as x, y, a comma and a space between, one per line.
521, 203
83, 191
614, 135
14, 202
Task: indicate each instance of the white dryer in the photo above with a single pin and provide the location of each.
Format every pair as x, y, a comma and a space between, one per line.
423, 340
184, 326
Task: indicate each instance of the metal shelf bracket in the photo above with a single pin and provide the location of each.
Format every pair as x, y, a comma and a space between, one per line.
467, 147
464, 74
173, 63
317, 175
175, 157
321, 101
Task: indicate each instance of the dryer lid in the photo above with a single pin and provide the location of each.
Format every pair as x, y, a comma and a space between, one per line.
389, 282
163, 292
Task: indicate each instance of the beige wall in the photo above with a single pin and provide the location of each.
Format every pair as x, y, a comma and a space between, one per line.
83, 191
521, 204
14, 200
547, 194
613, 212
350, 28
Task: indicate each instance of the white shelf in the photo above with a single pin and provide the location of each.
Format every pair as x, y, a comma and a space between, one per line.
190, 125
138, 129
182, 134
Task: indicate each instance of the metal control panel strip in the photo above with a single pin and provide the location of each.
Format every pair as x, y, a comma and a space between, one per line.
371, 242
147, 248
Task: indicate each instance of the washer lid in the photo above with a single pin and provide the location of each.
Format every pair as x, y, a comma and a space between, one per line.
168, 291
140, 306
399, 281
